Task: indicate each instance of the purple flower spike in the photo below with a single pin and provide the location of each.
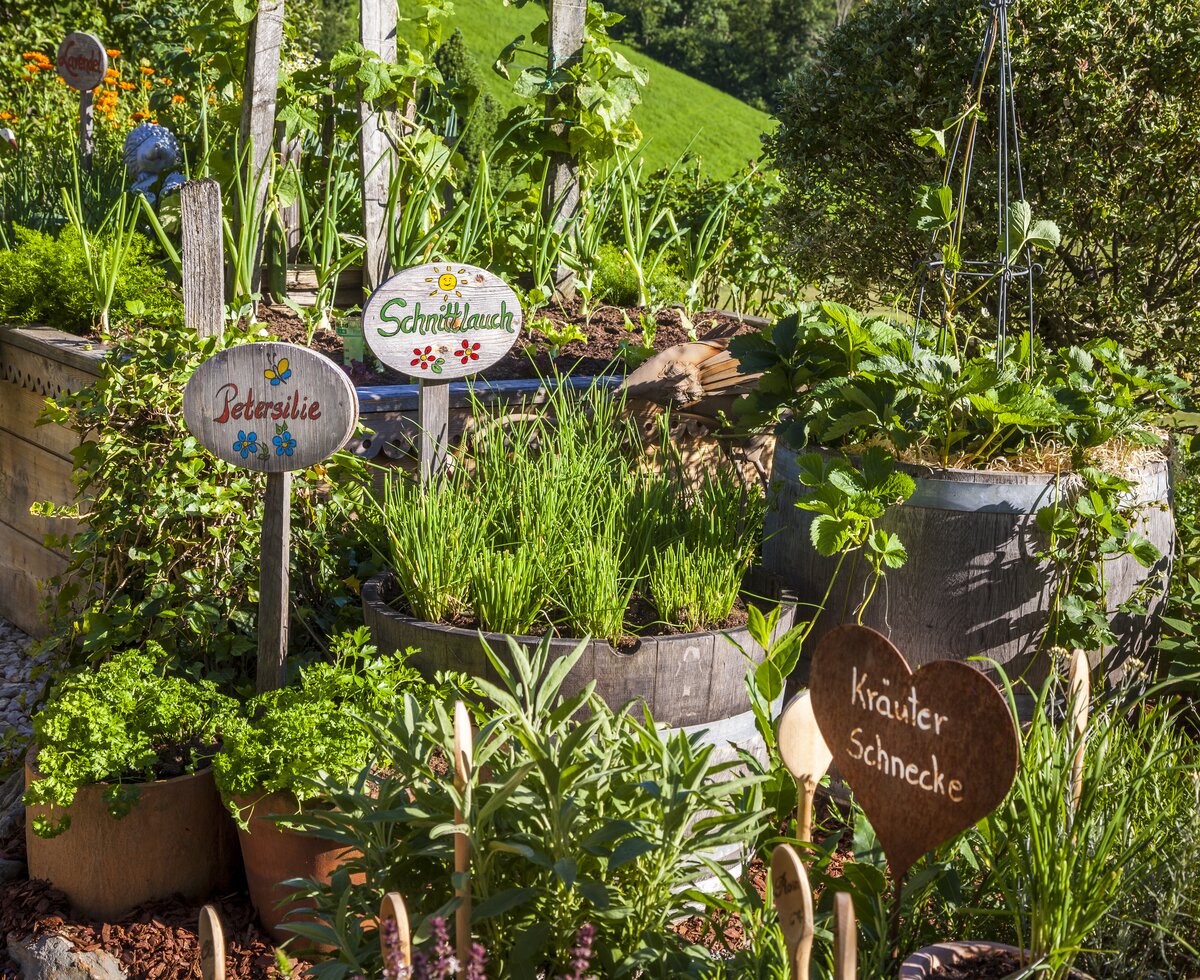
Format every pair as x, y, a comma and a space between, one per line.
581, 953
477, 964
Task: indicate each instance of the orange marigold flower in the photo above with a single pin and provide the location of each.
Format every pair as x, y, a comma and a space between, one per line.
146, 71
32, 69
178, 98
138, 116
146, 84
165, 81
111, 73
6, 116
126, 86
112, 52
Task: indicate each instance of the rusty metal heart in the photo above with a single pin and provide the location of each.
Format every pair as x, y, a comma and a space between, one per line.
927, 754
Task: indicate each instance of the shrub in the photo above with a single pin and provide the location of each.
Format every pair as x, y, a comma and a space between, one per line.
125, 722
171, 548
46, 281
1106, 101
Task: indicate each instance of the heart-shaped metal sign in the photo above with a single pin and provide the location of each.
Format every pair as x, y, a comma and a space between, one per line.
927, 754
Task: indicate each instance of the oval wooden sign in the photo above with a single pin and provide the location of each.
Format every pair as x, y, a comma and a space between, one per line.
82, 60
442, 321
927, 754
270, 407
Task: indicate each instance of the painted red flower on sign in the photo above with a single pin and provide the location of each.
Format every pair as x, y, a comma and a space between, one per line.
424, 358
467, 352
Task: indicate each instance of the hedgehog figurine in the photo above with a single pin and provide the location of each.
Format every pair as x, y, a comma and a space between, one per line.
151, 150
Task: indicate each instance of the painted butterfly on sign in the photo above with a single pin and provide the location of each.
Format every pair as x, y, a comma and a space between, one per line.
279, 372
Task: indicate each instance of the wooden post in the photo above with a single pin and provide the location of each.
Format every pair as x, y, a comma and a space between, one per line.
463, 762
258, 114
203, 260
433, 419
378, 34
794, 905
1079, 694
87, 142
290, 156
845, 938
273, 576
560, 202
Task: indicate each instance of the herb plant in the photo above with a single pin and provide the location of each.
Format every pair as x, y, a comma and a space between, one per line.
577, 813
313, 726
123, 723
548, 523
171, 549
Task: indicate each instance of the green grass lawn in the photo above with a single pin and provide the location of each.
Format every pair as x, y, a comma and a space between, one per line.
674, 109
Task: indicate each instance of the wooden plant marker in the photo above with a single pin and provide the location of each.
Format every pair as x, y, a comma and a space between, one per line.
212, 945
805, 754
927, 754
1079, 694
845, 938
435, 323
81, 63
398, 960
794, 905
463, 763
274, 408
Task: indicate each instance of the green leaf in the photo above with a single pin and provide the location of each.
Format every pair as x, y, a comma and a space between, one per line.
829, 535
927, 136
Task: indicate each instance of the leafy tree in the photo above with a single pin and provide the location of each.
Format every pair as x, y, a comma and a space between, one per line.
1109, 125
744, 47
477, 114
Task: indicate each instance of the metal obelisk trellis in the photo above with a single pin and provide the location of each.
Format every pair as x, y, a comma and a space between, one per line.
1003, 269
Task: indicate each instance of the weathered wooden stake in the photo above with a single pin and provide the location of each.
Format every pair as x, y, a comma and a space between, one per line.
845, 938
203, 259
433, 418
378, 33
274, 553
794, 905
212, 945
560, 200
463, 762
258, 115
1079, 693
397, 959
87, 142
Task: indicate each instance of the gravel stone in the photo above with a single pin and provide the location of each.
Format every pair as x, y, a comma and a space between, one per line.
54, 958
18, 694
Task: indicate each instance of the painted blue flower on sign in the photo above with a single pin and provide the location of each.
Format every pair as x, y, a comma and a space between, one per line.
285, 443
247, 444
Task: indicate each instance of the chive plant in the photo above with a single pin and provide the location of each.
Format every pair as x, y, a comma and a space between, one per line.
555, 522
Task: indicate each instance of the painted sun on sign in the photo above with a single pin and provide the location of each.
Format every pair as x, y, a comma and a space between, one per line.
449, 281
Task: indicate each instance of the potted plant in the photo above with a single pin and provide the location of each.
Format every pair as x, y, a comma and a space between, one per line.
1059, 855
556, 527
268, 761
121, 804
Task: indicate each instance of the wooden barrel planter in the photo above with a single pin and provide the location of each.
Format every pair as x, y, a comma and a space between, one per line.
274, 854
177, 839
972, 585
690, 681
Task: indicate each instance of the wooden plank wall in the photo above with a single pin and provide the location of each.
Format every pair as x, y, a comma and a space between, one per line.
35, 461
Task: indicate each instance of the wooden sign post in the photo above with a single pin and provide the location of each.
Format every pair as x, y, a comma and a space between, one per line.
927, 754
273, 408
435, 323
395, 937
845, 938
82, 62
464, 761
792, 894
1079, 698
806, 756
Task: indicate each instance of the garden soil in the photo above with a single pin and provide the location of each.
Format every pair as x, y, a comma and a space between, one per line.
610, 331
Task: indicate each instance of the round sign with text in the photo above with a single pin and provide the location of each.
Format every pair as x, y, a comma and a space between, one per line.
440, 321
270, 407
82, 60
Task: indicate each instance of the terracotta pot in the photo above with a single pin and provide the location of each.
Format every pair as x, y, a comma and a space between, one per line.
273, 855
177, 839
